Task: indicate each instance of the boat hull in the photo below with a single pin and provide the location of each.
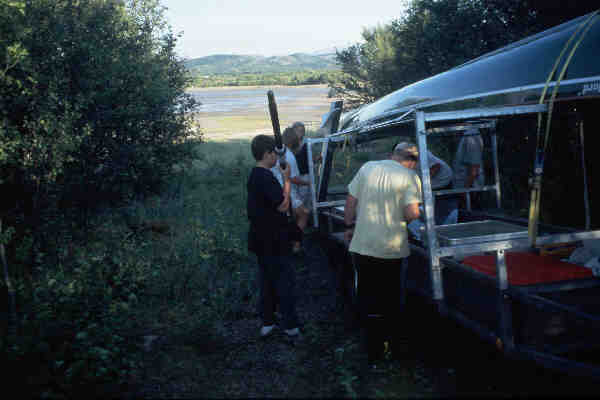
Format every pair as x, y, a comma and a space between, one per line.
513, 75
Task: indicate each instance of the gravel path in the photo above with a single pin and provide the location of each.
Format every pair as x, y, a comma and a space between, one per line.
440, 358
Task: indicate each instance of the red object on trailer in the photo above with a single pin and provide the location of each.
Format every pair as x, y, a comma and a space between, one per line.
529, 268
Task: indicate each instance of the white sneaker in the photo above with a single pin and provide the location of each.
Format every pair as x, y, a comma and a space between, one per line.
266, 330
292, 332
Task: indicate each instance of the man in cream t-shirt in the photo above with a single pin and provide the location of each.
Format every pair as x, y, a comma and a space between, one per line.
383, 197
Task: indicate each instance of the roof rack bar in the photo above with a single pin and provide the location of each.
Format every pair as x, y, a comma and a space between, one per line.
484, 112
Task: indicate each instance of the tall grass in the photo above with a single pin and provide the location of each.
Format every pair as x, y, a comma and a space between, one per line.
172, 263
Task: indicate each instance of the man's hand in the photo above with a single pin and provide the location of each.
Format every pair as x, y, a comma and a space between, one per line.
285, 172
472, 175
348, 233
412, 212
349, 216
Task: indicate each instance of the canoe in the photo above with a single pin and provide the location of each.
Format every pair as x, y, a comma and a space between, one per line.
512, 75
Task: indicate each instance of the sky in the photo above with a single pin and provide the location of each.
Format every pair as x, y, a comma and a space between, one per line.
273, 27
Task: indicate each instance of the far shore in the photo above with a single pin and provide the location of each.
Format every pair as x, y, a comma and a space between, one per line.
322, 85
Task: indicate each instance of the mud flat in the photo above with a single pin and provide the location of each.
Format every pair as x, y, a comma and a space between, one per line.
245, 124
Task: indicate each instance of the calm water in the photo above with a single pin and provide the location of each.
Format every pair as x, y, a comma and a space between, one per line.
228, 100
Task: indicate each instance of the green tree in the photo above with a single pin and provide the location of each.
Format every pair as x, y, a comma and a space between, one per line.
369, 69
92, 107
92, 95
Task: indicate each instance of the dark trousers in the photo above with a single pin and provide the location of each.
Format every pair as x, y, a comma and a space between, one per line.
444, 205
382, 298
277, 283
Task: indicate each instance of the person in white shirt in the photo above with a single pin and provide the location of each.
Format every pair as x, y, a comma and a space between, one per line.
300, 212
383, 197
303, 186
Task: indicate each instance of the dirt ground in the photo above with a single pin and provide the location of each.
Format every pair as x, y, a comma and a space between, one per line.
233, 362
437, 359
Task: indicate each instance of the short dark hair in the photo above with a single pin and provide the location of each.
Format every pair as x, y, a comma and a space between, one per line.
406, 151
298, 124
261, 145
290, 139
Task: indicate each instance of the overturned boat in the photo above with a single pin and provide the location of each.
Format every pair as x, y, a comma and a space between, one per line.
513, 75
507, 268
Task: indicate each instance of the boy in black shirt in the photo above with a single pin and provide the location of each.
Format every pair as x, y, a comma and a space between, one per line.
270, 236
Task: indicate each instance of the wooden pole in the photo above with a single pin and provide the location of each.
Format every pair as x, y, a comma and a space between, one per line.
276, 128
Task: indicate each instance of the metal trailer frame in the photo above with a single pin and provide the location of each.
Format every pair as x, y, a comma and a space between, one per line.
504, 335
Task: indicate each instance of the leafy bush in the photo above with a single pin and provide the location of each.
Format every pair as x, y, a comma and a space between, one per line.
93, 112
308, 77
92, 103
173, 264
74, 320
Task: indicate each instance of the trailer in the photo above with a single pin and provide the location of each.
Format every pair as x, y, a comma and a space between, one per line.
501, 271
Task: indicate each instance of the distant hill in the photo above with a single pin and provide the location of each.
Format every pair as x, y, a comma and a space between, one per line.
236, 64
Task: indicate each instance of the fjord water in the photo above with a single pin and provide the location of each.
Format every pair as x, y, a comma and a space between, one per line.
225, 100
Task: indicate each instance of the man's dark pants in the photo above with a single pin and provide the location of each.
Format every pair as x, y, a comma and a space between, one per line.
382, 298
277, 284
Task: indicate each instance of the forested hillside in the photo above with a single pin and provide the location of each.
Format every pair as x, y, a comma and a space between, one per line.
236, 70
249, 64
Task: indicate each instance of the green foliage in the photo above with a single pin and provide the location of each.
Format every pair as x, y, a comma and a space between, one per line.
369, 68
93, 111
74, 317
171, 264
306, 77
92, 103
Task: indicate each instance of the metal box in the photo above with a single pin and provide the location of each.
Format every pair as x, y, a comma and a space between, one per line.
478, 232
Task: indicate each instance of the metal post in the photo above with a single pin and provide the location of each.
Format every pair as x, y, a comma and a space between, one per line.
501, 272
327, 151
311, 177
432, 243
504, 304
586, 193
496, 166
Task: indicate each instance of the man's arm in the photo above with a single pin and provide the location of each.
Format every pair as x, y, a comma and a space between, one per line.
287, 188
473, 173
435, 169
297, 181
411, 212
349, 216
